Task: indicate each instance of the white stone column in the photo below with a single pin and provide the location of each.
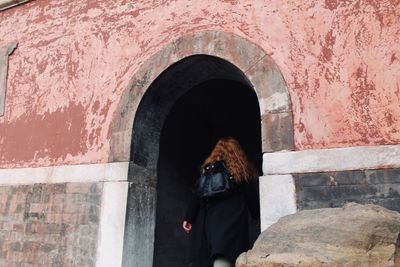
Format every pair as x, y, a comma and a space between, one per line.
277, 198
112, 224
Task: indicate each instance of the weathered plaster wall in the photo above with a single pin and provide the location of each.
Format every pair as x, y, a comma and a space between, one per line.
340, 59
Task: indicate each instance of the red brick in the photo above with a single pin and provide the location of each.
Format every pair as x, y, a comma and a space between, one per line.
81, 188
38, 207
54, 229
54, 218
56, 208
3, 208
8, 226
19, 227
71, 206
3, 198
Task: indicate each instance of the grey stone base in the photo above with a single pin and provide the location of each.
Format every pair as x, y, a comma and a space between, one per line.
334, 189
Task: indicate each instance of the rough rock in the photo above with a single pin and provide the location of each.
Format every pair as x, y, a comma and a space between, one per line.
354, 235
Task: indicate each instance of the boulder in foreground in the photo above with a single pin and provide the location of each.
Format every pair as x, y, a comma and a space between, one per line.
355, 235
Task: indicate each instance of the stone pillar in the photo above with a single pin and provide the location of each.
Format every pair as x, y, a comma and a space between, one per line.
140, 217
277, 198
140, 226
5, 51
112, 224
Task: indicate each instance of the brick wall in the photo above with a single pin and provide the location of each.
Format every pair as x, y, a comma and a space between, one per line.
49, 224
333, 189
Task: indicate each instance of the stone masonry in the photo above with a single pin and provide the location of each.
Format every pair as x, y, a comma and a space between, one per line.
49, 224
334, 189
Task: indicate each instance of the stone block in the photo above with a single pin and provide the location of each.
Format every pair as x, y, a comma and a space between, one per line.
337, 193
269, 83
78, 188
334, 189
349, 178
120, 146
112, 224
227, 46
375, 176
140, 226
392, 176
277, 198
277, 132
354, 235
331, 179
311, 179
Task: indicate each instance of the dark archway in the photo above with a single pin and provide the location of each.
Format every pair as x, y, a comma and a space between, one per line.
207, 112
194, 84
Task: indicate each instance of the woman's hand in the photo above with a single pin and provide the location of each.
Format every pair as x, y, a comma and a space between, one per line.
187, 226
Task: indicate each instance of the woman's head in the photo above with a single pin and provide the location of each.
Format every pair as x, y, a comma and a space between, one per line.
229, 150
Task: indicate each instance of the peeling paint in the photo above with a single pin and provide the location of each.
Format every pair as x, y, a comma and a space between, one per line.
340, 60
34, 136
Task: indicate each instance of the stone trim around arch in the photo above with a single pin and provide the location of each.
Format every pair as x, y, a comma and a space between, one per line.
259, 68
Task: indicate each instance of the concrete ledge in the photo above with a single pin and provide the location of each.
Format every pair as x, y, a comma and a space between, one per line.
84, 173
335, 159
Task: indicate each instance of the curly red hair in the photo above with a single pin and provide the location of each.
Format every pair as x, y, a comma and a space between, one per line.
230, 151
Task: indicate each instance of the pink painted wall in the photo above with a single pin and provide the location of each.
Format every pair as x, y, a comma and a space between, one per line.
341, 60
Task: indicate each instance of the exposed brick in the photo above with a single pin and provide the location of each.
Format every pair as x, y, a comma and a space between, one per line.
38, 207
15, 246
48, 248
56, 208
19, 227
3, 198
34, 216
71, 206
94, 213
56, 188
2, 208
41, 225
54, 218
7, 226
79, 188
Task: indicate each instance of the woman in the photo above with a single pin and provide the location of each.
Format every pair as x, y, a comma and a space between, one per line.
220, 227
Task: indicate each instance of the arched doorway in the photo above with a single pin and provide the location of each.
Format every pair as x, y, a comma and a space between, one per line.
207, 112
184, 112
150, 96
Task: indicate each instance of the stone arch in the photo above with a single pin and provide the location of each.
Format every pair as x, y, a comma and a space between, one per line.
135, 135
259, 68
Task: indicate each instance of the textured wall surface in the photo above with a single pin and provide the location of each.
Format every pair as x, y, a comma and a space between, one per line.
340, 59
49, 225
334, 189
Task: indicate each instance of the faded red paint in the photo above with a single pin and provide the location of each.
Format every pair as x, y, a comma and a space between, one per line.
60, 133
339, 58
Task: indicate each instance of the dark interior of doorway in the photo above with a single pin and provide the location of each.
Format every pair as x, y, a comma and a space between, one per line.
198, 119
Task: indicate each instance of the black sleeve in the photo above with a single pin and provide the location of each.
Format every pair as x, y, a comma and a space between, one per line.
192, 209
252, 198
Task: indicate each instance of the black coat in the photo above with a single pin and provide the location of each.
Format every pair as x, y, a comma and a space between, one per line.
220, 227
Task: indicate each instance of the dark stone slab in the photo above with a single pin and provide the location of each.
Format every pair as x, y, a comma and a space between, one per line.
334, 189
313, 179
375, 176
392, 176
